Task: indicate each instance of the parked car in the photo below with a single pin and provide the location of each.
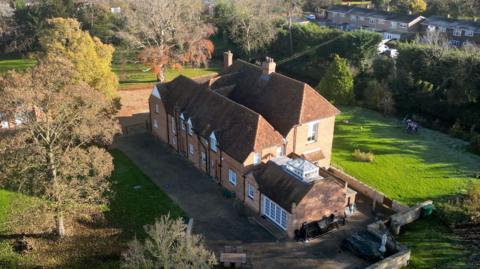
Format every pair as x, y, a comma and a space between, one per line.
364, 245
315, 229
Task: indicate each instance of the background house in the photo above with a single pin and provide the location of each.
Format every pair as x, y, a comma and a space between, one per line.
457, 32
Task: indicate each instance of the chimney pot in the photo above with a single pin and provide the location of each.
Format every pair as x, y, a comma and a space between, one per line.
227, 59
268, 66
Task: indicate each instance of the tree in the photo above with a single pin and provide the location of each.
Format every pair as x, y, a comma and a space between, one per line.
56, 152
167, 246
250, 23
337, 83
168, 33
90, 57
378, 96
293, 8
415, 6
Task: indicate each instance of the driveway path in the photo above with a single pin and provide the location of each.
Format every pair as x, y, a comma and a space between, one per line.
222, 221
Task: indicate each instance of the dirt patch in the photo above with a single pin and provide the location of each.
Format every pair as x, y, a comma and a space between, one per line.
134, 106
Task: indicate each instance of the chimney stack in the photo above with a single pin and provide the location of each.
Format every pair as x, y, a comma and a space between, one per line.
227, 59
268, 66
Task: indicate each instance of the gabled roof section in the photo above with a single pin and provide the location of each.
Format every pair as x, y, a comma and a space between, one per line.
280, 186
155, 92
238, 130
284, 102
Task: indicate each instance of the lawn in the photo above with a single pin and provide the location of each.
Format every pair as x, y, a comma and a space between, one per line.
408, 167
136, 75
136, 201
130, 75
15, 64
434, 246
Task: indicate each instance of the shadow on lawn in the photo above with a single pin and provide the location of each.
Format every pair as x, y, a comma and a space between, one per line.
136, 200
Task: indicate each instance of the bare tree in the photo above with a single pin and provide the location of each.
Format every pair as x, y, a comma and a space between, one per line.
251, 23
293, 8
55, 153
168, 246
168, 32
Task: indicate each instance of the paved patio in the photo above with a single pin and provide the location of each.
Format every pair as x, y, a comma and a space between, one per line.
224, 221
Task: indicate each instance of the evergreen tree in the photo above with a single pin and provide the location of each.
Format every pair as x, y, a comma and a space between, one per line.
337, 83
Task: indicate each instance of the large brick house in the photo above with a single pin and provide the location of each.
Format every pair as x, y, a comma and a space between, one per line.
239, 127
457, 32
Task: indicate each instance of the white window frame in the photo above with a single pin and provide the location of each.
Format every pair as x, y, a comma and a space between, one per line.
4, 124
182, 121
280, 151
189, 127
232, 177
469, 33
361, 18
191, 149
275, 213
403, 25
203, 157
442, 29
155, 123
250, 191
372, 20
457, 32
157, 108
213, 142
172, 123
257, 158
312, 133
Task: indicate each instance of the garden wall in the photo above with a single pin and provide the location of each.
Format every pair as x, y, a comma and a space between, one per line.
396, 261
368, 191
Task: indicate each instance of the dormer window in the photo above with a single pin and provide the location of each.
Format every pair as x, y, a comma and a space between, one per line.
172, 123
213, 142
256, 158
189, 127
182, 121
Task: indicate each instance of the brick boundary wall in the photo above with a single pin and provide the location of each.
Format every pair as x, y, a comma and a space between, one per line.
396, 261
368, 191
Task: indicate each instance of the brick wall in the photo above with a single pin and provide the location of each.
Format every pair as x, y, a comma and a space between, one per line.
254, 203
325, 198
160, 118
297, 140
228, 163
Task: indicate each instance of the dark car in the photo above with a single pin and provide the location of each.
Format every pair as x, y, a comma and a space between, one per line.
315, 229
364, 245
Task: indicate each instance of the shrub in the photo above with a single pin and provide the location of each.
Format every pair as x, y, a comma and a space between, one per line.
473, 203
475, 143
363, 156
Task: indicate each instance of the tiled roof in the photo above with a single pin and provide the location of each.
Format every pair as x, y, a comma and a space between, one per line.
280, 186
285, 189
282, 101
339, 8
239, 130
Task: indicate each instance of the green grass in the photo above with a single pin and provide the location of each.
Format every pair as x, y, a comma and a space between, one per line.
130, 75
15, 64
408, 167
130, 209
135, 75
433, 245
